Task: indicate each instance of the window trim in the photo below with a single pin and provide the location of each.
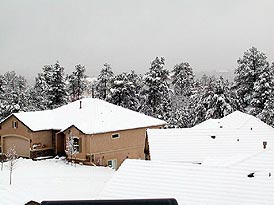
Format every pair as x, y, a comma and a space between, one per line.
111, 160
14, 124
118, 136
78, 145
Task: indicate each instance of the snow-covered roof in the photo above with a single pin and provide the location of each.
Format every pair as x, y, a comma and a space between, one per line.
95, 116
211, 140
189, 183
236, 120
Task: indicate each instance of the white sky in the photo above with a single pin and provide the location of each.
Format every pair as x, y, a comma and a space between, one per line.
128, 34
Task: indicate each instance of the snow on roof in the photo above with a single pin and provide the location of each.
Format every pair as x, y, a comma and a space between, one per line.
188, 183
191, 145
227, 143
236, 120
260, 163
95, 116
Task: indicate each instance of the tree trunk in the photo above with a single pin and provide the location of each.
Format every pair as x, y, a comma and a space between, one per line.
10, 175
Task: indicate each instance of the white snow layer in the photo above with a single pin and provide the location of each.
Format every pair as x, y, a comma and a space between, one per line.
51, 180
95, 116
229, 139
190, 184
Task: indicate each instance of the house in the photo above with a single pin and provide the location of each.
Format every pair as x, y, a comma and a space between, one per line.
233, 137
195, 184
103, 133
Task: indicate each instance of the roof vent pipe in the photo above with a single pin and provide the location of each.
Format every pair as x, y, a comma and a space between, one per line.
80, 104
264, 144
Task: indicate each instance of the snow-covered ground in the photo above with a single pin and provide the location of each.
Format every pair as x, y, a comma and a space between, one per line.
51, 179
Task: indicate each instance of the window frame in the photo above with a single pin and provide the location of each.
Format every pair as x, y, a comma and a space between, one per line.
111, 166
14, 124
118, 136
77, 144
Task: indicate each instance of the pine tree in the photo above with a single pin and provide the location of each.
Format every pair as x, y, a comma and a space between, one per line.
182, 79
77, 83
261, 92
125, 90
49, 88
13, 94
156, 91
104, 81
90, 87
38, 97
251, 79
214, 99
57, 92
267, 114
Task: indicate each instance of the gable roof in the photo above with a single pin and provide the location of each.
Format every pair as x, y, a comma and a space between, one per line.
210, 140
189, 183
95, 116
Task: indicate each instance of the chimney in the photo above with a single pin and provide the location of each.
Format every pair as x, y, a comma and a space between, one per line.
80, 104
264, 144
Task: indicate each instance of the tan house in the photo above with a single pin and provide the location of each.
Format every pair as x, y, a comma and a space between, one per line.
104, 134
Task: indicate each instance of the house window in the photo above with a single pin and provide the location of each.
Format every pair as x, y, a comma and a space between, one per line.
14, 124
116, 135
77, 144
112, 163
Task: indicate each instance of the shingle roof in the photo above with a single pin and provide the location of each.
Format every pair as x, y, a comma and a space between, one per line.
190, 183
95, 116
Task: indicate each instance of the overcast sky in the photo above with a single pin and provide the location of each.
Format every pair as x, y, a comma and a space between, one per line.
128, 34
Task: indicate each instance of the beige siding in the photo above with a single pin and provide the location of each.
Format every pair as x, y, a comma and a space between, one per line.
41, 138
10, 135
102, 147
22, 130
83, 139
20, 144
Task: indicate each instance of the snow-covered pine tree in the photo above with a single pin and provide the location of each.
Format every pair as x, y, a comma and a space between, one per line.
49, 88
267, 114
252, 79
13, 94
77, 83
11, 156
57, 92
262, 90
90, 87
38, 95
125, 90
214, 100
103, 83
182, 79
138, 84
156, 90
